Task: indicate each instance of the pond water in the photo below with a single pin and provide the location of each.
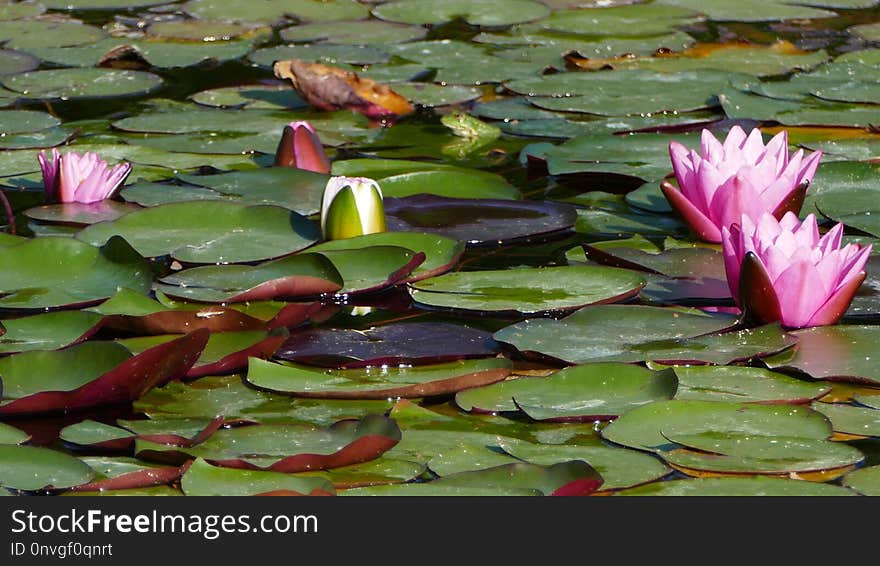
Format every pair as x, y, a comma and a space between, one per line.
536, 319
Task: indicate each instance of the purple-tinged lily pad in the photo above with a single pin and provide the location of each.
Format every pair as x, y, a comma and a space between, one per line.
833, 353
403, 343
78, 378
376, 382
61, 272
588, 392
289, 448
80, 214
292, 276
373, 268
127, 473
478, 221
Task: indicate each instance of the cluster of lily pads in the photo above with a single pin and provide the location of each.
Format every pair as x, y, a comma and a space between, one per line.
197, 299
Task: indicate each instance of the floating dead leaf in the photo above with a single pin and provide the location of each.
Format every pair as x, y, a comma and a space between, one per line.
332, 88
125, 57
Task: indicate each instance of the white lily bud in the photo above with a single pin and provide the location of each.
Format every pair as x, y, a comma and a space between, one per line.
351, 206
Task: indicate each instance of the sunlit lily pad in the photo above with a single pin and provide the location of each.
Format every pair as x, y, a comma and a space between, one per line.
11, 435
272, 11
55, 272
754, 486
47, 331
250, 96
751, 10
865, 480
527, 290
477, 221
84, 83
587, 392
376, 383
291, 448
204, 479
649, 427
620, 468
414, 342
209, 232
847, 419
32, 468
369, 32
80, 213
475, 12
620, 21
291, 276
121, 473
26, 121
92, 374
321, 53
628, 332
96, 434
840, 352
743, 384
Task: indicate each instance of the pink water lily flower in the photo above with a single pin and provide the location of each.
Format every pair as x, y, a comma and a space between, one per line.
782, 270
83, 178
301, 148
741, 176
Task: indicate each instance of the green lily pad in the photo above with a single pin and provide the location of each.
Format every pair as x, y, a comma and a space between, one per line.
437, 489
374, 382
272, 11
750, 10
587, 392
121, 473
12, 61
453, 184
369, 32
80, 213
865, 480
209, 232
204, 479
298, 275
203, 31
47, 331
12, 435
290, 448
871, 32
432, 95
67, 84
620, 21
320, 53
441, 253
19, 10
25, 122
753, 486
101, 4
625, 330
840, 353
32, 468
474, 12
527, 290
755, 60
153, 491
847, 419
27, 34
381, 471
54, 272
747, 453
94, 433
272, 97
743, 384
649, 427
619, 467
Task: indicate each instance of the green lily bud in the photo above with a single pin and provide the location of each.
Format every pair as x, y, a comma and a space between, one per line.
351, 206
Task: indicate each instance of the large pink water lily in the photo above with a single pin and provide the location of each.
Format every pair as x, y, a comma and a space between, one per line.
301, 148
74, 177
782, 270
740, 176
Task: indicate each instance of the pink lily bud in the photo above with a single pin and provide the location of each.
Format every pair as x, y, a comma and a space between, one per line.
82, 178
741, 176
782, 270
301, 148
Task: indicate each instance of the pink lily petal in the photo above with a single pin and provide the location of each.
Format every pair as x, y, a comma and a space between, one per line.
704, 227
835, 307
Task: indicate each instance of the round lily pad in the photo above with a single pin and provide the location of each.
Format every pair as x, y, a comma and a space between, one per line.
529, 291
432, 95
376, 383
12, 62
477, 221
272, 11
320, 53
204, 479
198, 30
620, 21
27, 34
649, 427
847, 419
47, 331
452, 184
250, 96
19, 10
57, 271
25, 121
475, 12
369, 32
754, 486
865, 480
840, 352
11, 435
743, 384
587, 392
209, 232
413, 342
83, 83
101, 4
33, 468
81, 214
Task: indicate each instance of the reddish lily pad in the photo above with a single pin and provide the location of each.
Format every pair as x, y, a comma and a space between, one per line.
78, 378
56, 272
292, 276
126, 473
209, 232
80, 214
48, 331
201, 478
414, 343
478, 221
289, 448
835, 353
587, 392
376, 383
